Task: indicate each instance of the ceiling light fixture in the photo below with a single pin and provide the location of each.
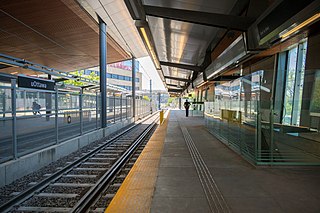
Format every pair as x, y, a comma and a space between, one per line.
300, 26
151, 50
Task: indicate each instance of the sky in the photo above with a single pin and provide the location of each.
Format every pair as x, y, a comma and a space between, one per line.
148, 71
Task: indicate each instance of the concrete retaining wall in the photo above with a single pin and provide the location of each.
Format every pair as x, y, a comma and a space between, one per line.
14, 169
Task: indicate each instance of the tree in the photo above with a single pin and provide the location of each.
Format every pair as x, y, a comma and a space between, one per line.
93, 76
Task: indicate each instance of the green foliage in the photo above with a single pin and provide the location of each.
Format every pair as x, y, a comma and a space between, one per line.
170, 99
315, 101
146, 98
93, 76
75, 82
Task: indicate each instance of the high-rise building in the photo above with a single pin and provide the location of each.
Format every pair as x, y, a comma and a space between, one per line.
119, 74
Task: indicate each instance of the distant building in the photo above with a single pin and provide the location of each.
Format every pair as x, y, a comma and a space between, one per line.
119, 74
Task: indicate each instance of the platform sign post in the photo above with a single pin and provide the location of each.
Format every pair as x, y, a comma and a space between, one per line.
56, 114
14, 118
80, 110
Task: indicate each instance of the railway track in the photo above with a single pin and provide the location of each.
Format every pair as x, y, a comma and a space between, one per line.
78, 186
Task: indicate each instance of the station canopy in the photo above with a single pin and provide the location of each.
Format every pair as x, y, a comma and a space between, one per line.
180, 35
64, 34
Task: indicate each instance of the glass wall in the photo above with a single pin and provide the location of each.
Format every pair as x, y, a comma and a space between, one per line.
246, 114
232, 117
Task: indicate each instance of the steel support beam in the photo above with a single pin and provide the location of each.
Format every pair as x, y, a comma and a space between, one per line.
173, 85
178, 79
103, 71
181, 66
174, 90
240, 23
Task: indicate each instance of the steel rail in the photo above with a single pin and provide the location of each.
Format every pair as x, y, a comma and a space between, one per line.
88, 199
23, 196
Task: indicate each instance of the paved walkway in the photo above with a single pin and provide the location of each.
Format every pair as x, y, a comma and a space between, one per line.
197, 173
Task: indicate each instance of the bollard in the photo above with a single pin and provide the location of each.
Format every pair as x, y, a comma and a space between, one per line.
161, 117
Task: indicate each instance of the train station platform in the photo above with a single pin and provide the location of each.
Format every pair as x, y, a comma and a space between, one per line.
186, 169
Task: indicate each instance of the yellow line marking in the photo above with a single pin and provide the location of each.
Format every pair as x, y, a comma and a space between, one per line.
135, 194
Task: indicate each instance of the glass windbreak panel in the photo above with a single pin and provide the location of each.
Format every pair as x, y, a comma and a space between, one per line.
6, 151
117, 108
98, 110
289, 88
137, 109
5, 124
123, 109
35, 120
68, 116
35, 132
89, 112
249, 106
110, 109
232, 117
234, 134
129, 107
5, 102
265, 143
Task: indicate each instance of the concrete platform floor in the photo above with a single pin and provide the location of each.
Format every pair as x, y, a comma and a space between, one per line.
198, 173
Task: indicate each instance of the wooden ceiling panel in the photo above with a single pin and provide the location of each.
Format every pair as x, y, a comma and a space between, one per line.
57, 34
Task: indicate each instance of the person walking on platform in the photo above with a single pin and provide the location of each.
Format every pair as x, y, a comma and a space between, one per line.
36, 107
186, 106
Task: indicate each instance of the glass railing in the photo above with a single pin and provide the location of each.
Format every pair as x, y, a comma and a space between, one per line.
35, 119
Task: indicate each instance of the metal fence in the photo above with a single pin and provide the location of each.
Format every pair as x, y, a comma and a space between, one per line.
33, 119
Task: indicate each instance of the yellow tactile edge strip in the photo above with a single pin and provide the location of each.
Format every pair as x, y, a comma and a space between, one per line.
135, 193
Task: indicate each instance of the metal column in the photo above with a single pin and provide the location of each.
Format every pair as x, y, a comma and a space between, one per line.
121, 107
150, 96
114, 108
133, 88
4, 104
56, 114
179, 102
81, 110
14, 118
103, 71
159, 99
48, 98
97, 111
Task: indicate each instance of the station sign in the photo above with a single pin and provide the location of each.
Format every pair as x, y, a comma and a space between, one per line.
35, 83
